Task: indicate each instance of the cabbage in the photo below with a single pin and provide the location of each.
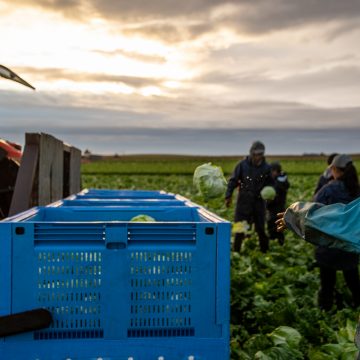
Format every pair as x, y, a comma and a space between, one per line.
209, 180
142, 218
268, 193
240, 227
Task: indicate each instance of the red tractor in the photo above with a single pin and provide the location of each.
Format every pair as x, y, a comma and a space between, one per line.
10, 156
13, 150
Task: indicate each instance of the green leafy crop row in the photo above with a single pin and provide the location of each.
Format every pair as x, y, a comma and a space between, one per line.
274, 313
153, 165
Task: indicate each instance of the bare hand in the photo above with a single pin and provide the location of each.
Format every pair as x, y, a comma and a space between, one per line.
228, 202
280, 222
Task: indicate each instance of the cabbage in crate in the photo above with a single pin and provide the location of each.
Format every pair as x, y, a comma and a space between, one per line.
142, 218
209, 180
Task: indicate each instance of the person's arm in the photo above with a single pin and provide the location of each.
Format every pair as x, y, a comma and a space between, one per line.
233, 183
333, 226
323, 196
321, 182
295, 214
324, 179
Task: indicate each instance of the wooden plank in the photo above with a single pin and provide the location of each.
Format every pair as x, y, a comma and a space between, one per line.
21, 199
72, 177
50, 169
75, 171
57, 171
66, 173
45, 157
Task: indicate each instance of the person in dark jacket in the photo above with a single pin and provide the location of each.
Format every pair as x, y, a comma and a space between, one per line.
335, 226
250, 176
326, 176
277, 205
342, 189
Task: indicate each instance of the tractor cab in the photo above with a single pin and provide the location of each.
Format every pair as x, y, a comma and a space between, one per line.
10, 157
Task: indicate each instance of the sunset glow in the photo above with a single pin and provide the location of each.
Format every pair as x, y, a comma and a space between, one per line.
190, 64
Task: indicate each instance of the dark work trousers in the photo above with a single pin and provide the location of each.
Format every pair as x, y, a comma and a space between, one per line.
256, 217
328, 280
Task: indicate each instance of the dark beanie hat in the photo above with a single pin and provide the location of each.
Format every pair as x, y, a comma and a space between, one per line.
257, 147
275, 165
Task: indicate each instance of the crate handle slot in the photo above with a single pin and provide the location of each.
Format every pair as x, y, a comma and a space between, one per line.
24, 322
115, 245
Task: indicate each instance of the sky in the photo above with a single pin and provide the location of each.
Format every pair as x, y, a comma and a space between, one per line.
190, 76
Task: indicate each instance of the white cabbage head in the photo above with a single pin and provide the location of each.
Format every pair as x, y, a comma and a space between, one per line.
268, 193
210, 181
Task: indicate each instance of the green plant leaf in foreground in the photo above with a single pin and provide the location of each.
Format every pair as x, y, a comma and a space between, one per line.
279, 353
335, 352
347, 333
285, 335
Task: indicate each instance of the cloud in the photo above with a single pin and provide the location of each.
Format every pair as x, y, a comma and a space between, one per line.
133, 55
342, 28
76, 10
188, 20
156, 9
213, 92
175, 21
130, 140
50, 74
170, 31
165, 32
65, 111
192, 125
253, 16
336, 76
312, 87
226, 65
272, 15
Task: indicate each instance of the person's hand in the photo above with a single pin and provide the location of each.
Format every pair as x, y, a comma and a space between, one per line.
280, 222
228, 202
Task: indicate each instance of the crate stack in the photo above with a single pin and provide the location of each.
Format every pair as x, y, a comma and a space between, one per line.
118, 289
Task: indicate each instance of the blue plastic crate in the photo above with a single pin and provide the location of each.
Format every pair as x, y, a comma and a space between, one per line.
116, 289
123, 194
119, 214
118, 198
120, 202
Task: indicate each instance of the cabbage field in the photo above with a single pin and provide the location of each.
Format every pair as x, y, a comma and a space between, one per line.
274, 313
